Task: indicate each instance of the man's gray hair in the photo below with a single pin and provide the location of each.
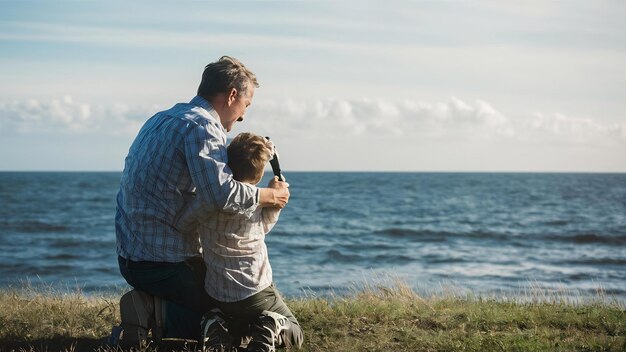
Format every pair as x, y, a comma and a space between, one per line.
223, 75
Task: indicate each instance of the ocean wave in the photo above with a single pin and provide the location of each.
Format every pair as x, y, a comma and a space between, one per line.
581, 277
67, 243
56, 269
26, 269
418, 235
99, 200
556, 223
85, 185
301, 247
518, 239
336, 256
437, 259
393, 259
593, 261
16, 267
62, 256
365, 245
33, 226
107, 270
590, 238
443, 236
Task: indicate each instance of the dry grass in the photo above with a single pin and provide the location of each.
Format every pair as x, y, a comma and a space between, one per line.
373, 318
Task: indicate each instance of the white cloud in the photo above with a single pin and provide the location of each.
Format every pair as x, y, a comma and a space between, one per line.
573, 129
456, 120
67, 116
336, 134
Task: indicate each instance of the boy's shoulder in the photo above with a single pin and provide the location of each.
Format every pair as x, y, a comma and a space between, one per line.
239, 217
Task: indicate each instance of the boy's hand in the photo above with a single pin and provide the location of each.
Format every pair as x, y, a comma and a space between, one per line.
271, 147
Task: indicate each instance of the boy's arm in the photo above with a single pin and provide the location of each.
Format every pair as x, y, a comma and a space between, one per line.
269, 215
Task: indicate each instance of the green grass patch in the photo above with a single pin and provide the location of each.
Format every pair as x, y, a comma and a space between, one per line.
372, 319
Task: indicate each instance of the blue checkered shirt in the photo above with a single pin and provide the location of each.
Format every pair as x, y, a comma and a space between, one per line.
178, 158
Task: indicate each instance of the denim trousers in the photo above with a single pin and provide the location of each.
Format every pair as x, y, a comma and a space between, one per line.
180, 284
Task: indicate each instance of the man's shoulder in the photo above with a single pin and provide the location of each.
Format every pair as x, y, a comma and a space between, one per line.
201, 110
191, 115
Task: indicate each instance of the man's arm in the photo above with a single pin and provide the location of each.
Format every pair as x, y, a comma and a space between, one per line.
205, 153
274, 197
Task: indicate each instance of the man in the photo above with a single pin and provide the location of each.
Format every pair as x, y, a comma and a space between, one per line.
179, 156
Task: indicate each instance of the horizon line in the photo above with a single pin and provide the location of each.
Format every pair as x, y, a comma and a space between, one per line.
362, 171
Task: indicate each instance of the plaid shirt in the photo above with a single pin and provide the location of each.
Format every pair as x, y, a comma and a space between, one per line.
178, 156
235, 253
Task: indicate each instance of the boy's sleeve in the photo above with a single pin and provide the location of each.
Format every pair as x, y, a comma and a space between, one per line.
269, 217
205, 153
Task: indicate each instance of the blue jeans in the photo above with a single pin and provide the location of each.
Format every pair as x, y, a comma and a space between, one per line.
180, 284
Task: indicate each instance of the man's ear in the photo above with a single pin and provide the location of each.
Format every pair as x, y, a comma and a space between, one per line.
231, 96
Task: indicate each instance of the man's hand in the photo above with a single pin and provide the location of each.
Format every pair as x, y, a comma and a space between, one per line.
276, 195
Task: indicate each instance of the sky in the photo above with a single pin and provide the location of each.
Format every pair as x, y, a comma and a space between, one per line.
452, 86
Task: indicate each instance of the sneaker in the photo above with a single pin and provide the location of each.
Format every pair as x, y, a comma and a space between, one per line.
114, 339
136, 311
215, 336
267, 332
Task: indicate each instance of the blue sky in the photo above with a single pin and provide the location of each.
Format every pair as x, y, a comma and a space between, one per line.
345, 85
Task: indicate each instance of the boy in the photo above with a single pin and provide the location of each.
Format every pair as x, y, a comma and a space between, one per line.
239, 276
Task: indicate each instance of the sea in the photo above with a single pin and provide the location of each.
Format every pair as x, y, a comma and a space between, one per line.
503, 235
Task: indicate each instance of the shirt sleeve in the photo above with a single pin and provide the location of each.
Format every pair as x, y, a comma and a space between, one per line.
269, 217
205, 153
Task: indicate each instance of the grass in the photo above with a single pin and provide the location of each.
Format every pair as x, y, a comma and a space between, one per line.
372, 319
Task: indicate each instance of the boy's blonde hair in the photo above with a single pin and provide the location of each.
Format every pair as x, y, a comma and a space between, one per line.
248, 154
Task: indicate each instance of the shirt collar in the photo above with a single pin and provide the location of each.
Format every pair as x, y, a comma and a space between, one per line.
203, 103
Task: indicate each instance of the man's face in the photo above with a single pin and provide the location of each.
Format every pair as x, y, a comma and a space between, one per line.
235, 107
